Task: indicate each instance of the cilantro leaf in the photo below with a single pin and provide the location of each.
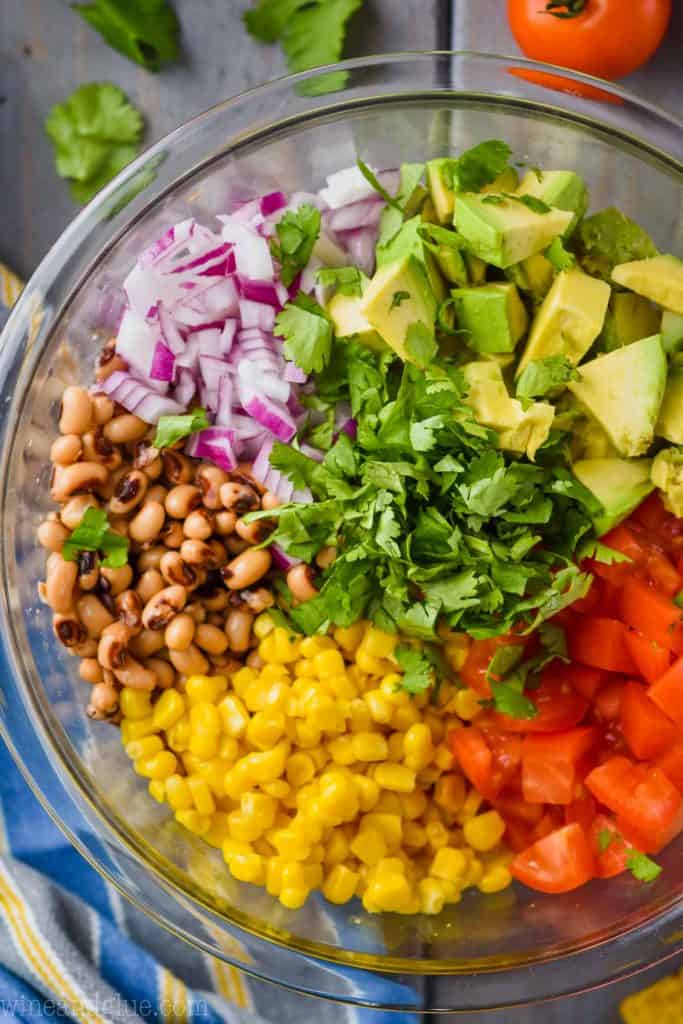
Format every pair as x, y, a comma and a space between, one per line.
560, 257
642, 867
418, 671
477, 166
145, 31
397, 298
307, 331
532, 202
508, 700
93, 534
542, 376
605, 839
95, 133
347, 280
608, 238
171, 428
376, 184
592, 548
420, 343
311, 32
297, 232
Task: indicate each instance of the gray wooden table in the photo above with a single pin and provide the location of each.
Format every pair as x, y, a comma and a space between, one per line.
46, 52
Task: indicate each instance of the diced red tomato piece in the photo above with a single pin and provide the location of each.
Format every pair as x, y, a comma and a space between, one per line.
640, 795
559, 706
645, 727
647, 840
600, 642
549, 764
662, 572
473, 672
507, 757
589, 603
518, 834
582, 810
585, 680
651, 514
671, 763
654, 615
475, 758
607, 702
560, 862
667, 692
516, 808
611, 858
626, 542
650, 658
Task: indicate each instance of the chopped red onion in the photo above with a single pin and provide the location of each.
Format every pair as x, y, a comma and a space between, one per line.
140, 399
185, 386
169, 332
272, 416
136, 342
360, 246
252, 253
272, 202
261, 291
364, 214
216, 444
163, 363
312, 453
294, 374
281, 560
257, 314
350, 186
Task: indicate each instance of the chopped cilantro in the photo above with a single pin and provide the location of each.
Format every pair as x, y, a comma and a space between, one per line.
678, 599
532, 202
307, 331
397, 299
509, 701
418, 671
543, 376
560, 257
593, 548
347, 280
605, 839
373, 180
477, 166
93, 534
172, 428
642, 867
145, 31
420, 343
297, 233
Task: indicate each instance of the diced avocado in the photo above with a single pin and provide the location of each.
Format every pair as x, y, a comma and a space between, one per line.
408, 242
533, 275
443, 197
415, 201
428, 212
624, 391
564, 190
506, 181
619, 485
589, 441
667, 475
659, 278
608, 238
347, 319
629, 318
476, 268
488, 395
531, 430
451, 263
493, 314
504, 231
568, 320
670, 422
672, 331
398, 296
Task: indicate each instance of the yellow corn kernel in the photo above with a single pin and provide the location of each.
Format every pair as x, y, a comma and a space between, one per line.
378, 643
300, 769
379, 707
328, 663
312, 645
178, 793
413, 805
237, 780
138, 729
495, 879
157, 790
338, 800
247, 867
263, 625
228, 748
369, 846
389, 803
320, 756
340, 884
389, 825
204, 718
342, 687
191, 762
201, 795
178, 736
145, 747
205, 689
448, 864
484, 831
395, 747
341, 750
305, 669
291, 844
279, 647
368, 792
293, 899
235, 848
134, 704
260, 807
234, 717
473, 802
396, 777
307, 735
219, 831
194, 821
474, 874
450, 792
276, 696
393, 691
323, 714
392, 892
274, 875
467, 704
373, 666
242, 679
336, 848
169, 709
349, 637
418, 748
432, 896
244, 828
265, 729
156, 766
203, 745
274, 674
456, 649
369, 746
414, 835
434, 720
267, 765
360, 716
278, 789
444, 758
437, 834
404, 717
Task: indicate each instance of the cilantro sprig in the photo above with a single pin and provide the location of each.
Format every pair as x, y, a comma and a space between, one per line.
642, 867
172, 428
347, 280
93, 534
297, 232
145, 31
509, 674
307, 332
543, 376
476, 167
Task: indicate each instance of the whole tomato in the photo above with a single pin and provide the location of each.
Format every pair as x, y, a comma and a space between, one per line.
605, 38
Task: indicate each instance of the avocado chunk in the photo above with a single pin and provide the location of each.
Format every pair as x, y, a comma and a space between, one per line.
659, 278
672, 331
504, 231
533, 275
619, 485
476, 268
667, 475
629, 318
398, 297
493, 314
347, 320
489, 397
563, 189
608, 238
568, 320
624, 391
531, 430
451, 263
443, 197
506, 181
670, 422
588, 440
408, 242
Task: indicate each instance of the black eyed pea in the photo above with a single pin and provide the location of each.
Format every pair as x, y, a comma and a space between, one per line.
88, 570
147, 643
52, 534
172, 534
60, 584
163, 670
225, 664
129, 492
190, 662
181, 500
239, 498
176, 467
102, 408
180, 632
235, 545
147, 522
254, 660
153, 469
199, 553
77, 478
199, 524
325, 557
216, 619
300, 581
88, 649
68, 630
133, 674
216, 601
254, 533
90, 671
66, 449
150, 558
258, 600
175, 570
270, 500
108, 361
129, 610
157, 492
161, 608
144, 455
197, 610
93, 615
76, 413
238, 630
225, 523
72, 512
210, 480
98, 448
104, 701
211, 639
246, 569
125, 429
118, 579
150, 583
112, 650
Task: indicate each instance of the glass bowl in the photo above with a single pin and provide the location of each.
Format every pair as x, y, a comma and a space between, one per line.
488, 951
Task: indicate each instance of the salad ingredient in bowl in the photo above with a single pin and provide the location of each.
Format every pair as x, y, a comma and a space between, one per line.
368, 534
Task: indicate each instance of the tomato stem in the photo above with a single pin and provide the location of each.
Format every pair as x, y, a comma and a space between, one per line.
569, 8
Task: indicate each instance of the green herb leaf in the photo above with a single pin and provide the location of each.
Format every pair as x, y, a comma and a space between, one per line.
297, 232
532, 202
421, 343
397, 299
543, 376
477, 167
95, 133
605, 839
347, 280
372, 180
509, 701
145, 31
593, 548
418, 671
172, 428
560, 257
93, 534
307, 331
642, 867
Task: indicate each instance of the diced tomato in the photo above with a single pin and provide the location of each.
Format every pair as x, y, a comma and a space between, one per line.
654, 615
626, 542
507, 757
549, 764
585, 680
600, 642
651, 514
667, 692
553, 818
671, 763
640, 795
473, 672
560, 862
607, 702
516, 808
589, 603
611, 857
650, 659
518, 835
559, 706
662, 572
475, 758
646, 840
645, 727
582, 810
